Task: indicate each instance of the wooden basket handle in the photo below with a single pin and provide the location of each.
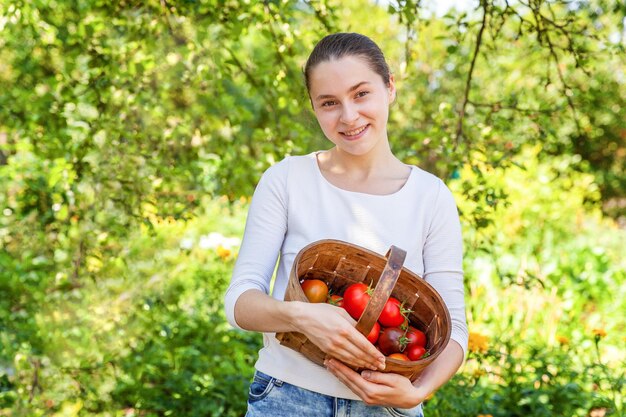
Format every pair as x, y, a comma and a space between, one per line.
395, 259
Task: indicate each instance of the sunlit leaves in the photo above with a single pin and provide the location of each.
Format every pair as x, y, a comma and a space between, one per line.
119, 116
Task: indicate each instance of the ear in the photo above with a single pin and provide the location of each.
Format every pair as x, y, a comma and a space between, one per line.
392, 89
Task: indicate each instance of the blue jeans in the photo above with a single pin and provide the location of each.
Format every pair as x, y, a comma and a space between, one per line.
272, 397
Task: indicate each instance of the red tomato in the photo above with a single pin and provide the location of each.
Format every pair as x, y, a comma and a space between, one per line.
399, 356
391, 316
390, 340
415, 352
415, 337
335, 300
374, 333
355, 299
315, 290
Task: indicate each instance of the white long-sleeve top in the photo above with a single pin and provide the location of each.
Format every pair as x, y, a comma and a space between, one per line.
294, 205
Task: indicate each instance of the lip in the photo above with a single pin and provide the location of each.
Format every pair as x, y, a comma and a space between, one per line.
355, 137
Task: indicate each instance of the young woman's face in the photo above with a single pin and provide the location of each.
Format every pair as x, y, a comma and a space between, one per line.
351, 103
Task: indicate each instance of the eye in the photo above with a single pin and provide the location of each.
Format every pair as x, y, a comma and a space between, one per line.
328, 103
362, 94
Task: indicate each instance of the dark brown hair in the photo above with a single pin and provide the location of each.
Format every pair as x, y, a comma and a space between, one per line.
338, 45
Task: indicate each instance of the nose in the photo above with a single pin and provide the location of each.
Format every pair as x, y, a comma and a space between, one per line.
349, 113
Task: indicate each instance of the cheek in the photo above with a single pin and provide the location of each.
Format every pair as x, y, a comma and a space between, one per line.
376, 107
325, 119
379, 111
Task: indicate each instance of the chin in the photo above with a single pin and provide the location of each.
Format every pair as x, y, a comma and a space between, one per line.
356, 150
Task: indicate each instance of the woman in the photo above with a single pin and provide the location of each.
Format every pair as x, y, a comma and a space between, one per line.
358, 192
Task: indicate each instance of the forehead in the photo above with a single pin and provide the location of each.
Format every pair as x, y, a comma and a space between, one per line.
338, 75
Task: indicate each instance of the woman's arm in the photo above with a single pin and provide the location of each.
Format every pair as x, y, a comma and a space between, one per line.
329, 327
247, 303
266, 227
393, 390
442, 255
443, 262
441, 370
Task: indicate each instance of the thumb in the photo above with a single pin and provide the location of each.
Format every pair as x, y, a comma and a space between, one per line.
379, 377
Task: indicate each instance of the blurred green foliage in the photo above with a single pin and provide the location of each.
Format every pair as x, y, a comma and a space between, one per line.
121, 123
150, 334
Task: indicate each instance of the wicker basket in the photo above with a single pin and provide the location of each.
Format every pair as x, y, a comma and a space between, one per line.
341, 264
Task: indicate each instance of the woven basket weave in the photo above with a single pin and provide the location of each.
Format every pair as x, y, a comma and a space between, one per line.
341, 264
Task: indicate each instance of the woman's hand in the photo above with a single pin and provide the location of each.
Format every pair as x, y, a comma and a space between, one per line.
332, 329
378, 388
395, 390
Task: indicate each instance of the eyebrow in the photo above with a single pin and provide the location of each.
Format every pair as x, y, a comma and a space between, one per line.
351, 89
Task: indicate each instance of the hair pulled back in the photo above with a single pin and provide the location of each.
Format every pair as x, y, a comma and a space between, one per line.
339, 45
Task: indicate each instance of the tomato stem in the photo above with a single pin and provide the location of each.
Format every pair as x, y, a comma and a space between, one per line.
403, 341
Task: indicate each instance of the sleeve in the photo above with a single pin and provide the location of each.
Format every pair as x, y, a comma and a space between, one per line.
443, 261
263, 237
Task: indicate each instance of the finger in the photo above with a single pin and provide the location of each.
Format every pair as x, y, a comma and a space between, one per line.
361, 359
366, 351
350, 354
348, 377
381, 378
341, 348
372, 354
347, 350
362, 342
393, 390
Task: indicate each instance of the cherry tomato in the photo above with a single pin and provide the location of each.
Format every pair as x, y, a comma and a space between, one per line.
399, 356
415, 337
315, 290
374, 333
390, 340
355, 299
391, 316
335, 300
415, 352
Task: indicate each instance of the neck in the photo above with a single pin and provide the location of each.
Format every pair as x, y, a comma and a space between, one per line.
373, 161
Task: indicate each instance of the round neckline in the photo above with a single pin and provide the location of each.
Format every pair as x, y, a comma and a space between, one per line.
318, 170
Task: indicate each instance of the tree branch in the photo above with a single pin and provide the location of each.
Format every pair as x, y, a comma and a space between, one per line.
566, 88
249, 76
78, 261
497, 106
468, 82
544, 34
35, 383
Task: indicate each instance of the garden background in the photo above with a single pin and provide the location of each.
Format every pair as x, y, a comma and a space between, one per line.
132, 134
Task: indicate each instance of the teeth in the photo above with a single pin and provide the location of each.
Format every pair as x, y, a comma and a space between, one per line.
355, 131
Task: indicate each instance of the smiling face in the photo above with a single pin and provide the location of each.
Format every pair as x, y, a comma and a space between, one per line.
351, 103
